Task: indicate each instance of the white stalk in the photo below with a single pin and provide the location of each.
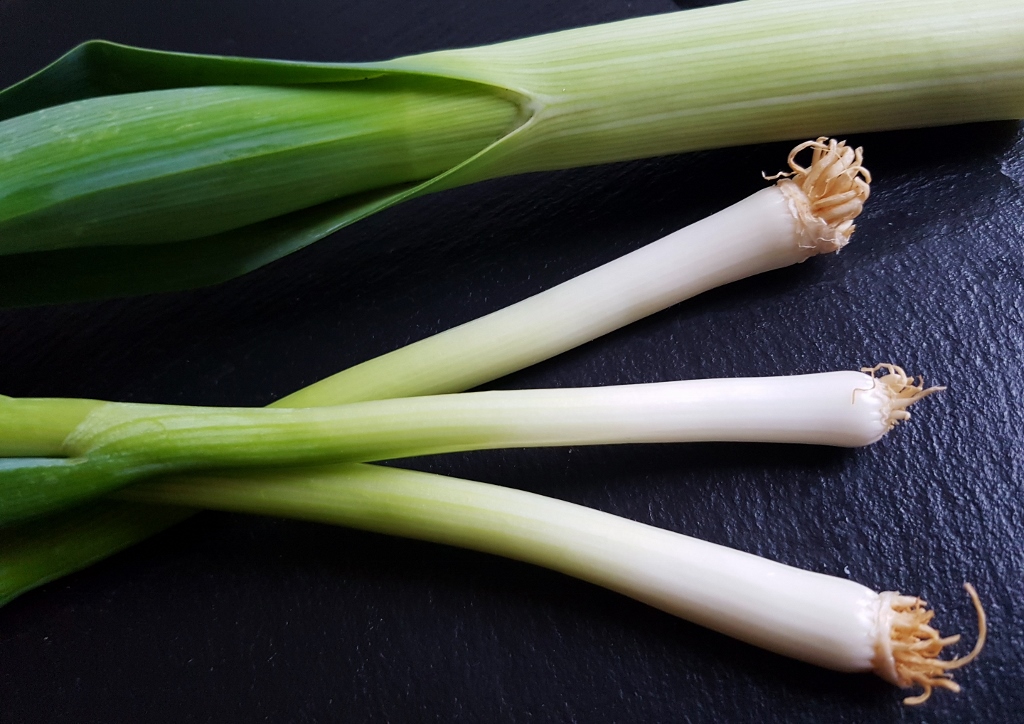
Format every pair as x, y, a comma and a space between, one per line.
823, 620
809, 212
847, 409
118, 444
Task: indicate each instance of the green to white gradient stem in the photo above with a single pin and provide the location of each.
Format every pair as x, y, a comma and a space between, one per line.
824, 620
808, 212
847, 409
117, 444
755, 235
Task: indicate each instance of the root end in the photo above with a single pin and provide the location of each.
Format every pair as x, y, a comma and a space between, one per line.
915, 646
829, 194
901, 390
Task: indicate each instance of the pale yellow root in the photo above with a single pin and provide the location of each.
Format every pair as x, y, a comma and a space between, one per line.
916, 647
901, 391
829, 194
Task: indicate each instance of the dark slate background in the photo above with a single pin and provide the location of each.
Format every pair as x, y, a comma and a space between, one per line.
232, 618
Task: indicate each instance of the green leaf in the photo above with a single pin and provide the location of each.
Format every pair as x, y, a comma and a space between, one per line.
67, 275
100, 68
38, 551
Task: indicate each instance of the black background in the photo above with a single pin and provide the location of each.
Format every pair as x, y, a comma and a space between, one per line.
232, 618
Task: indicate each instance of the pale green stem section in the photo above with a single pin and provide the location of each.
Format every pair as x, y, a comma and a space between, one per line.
753, 236
747, 72
37, 427
821, 619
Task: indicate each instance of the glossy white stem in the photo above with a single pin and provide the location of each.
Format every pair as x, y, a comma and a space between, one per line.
847, 409
758, 234
824, 620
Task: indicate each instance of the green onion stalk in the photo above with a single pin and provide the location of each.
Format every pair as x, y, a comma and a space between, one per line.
116, 444
824, 620
125, 170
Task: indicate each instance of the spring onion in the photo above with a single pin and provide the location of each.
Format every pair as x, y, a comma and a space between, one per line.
126, 170
811, 210
118, 443
774, 227
824, 620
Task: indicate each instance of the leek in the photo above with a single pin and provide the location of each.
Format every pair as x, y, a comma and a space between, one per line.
824, 620
125, 170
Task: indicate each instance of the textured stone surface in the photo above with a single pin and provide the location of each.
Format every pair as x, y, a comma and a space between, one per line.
235, 618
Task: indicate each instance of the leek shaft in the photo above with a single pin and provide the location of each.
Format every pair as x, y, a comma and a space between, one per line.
156, 155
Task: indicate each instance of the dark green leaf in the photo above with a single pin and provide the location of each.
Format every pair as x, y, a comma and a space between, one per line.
38, 551
103, 272
101, 68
